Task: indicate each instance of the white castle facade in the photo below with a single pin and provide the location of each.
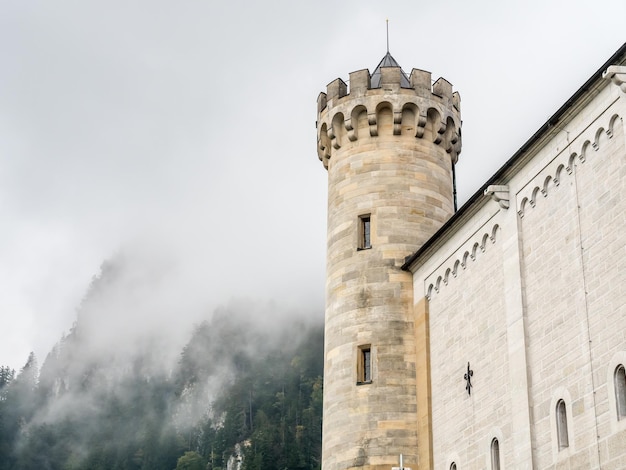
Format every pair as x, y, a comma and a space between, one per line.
488, 337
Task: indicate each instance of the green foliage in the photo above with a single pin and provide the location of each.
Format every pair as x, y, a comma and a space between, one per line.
237, 388
191, 461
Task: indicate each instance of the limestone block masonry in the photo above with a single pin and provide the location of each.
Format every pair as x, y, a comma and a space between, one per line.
526, 284
389, 145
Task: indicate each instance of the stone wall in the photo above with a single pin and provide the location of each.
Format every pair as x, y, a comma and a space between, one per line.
533, 297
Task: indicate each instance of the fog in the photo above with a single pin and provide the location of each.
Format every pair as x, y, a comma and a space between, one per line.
178, 140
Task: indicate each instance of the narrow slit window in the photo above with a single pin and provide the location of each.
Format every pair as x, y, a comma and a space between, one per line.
365, 237
453, 466
620, 391
561, 425
364, 365
495, 454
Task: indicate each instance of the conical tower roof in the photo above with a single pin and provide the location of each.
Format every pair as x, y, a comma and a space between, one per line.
388, 61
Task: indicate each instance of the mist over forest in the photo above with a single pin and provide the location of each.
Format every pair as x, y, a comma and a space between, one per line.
125, 388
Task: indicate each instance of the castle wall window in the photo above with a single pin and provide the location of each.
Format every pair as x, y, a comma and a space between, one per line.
561, 425
495, 454
452, 466
619, 379
364, 364
365, 239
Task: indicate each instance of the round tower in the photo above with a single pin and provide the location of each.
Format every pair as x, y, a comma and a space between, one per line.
389, 144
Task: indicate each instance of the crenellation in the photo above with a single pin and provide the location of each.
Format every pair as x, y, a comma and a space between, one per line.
456, 100
443, 88
360, 82
321, 102
390, 79
432, 117
336, 89
421, 81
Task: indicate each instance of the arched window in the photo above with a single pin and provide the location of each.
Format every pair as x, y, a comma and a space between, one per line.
561, 425
452, 466
619, 379
495, 454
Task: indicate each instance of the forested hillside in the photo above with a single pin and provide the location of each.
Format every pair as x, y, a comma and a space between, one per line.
243, 389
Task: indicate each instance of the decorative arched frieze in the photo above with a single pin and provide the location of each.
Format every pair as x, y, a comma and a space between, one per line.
451, 270
571, 161
546, 182
609, 131
557, 175
533, 197
455, 269
596, 139
464, 262
494, 232
522, 207
567, 162
583, 151
474, 251
483, 245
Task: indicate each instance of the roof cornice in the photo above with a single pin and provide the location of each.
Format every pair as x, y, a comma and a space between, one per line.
564, 114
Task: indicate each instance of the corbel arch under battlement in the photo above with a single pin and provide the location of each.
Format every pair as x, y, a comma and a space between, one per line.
337, 132
384, 118
323, 144
435, 126
410, 113
357, 124
404, 115
452, 139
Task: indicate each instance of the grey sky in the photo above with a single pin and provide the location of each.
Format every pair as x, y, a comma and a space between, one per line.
184, 131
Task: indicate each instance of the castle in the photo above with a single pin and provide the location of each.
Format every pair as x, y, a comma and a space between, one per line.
491, 336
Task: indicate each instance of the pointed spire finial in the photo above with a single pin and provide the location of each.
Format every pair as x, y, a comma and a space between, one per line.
387, 35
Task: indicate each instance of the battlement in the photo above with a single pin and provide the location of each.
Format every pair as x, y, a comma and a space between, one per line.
391, 102
392, 79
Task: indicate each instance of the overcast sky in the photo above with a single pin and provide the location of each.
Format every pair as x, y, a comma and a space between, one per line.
184, 132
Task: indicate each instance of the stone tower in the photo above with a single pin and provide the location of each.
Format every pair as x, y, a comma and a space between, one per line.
389, 144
